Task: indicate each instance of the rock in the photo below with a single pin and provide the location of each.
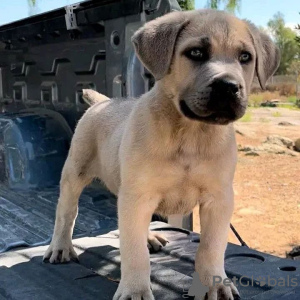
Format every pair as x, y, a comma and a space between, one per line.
294, 253
276, 149
247, 148
297, 145
267, 148
280, 141
285, 123
252, 153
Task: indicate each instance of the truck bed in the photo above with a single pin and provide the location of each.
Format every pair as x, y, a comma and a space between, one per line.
23, 275
27, 217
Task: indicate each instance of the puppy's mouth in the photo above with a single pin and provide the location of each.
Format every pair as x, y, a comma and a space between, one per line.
214, 117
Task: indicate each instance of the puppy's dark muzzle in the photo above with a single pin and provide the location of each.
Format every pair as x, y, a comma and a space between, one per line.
223, 105
224, 95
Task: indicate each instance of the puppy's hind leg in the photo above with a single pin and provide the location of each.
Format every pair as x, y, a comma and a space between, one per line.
72, 183
156, 241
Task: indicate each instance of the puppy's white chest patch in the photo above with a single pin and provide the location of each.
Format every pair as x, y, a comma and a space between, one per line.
179, 200
181, 185
186, 164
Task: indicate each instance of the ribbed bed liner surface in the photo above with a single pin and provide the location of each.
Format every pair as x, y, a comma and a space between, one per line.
23, 275
27, 217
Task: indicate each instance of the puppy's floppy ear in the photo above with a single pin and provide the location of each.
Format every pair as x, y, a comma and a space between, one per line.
267, 54
154, 43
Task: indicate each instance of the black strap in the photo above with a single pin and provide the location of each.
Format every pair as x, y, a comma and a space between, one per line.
238, 236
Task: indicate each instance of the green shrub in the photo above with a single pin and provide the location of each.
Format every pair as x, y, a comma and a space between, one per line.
292, 99
276, 114
247, 117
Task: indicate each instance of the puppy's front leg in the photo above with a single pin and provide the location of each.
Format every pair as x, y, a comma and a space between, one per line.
135, 214
215, 215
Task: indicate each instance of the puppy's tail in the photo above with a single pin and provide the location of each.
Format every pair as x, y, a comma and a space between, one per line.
92, 97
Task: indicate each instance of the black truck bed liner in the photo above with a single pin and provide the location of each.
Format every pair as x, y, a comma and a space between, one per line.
27, 217
23, 275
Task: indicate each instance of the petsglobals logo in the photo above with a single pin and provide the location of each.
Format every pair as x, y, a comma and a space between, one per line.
197, 289
267, 281
247, 286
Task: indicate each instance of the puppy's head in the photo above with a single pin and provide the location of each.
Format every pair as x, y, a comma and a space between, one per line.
206, 61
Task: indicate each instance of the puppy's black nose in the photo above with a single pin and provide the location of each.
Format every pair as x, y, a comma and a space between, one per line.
224, 93
225, 87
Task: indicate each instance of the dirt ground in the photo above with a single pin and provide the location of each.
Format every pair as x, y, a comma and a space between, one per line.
267, 187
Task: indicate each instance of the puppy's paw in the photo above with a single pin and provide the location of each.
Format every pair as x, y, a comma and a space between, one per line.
156, 241
133, 292
223, 292
60, 253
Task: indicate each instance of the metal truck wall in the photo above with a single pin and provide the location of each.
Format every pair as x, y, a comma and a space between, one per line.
46, 61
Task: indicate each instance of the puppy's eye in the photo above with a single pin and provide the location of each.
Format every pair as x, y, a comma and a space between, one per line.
245, 57
196, 54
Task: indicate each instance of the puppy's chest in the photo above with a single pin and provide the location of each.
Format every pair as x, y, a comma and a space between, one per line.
188, 162
182, 183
